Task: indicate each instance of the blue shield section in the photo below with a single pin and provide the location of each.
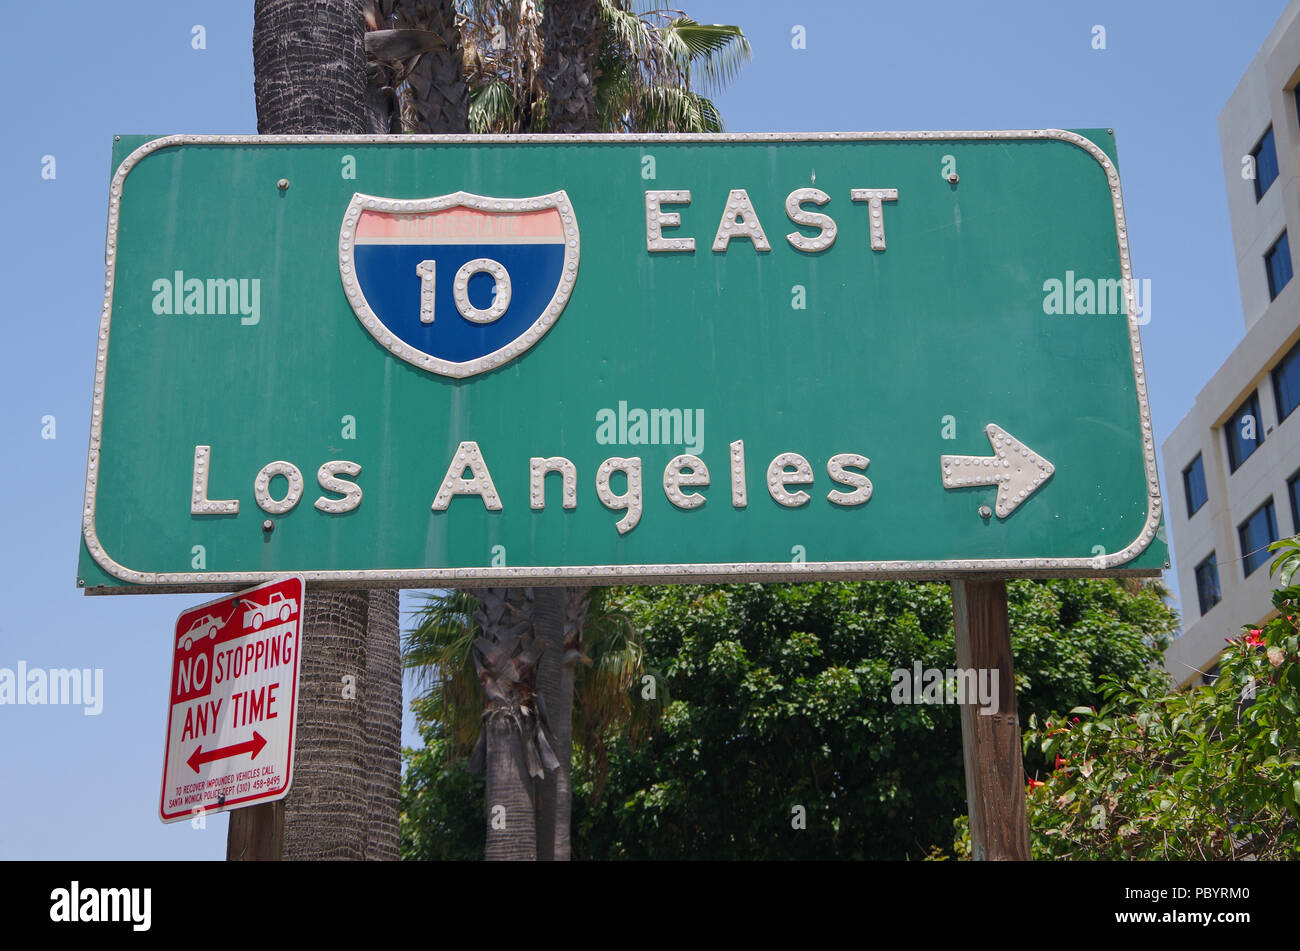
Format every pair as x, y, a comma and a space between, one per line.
386, 274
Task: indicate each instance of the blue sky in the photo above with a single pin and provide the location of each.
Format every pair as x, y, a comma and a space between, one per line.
76, 786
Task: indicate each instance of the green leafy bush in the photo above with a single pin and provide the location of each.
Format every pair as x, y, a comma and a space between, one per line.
1207, 773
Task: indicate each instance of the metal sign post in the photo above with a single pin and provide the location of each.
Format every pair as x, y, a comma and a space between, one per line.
995, 788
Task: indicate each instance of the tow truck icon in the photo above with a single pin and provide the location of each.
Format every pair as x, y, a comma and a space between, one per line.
278, 609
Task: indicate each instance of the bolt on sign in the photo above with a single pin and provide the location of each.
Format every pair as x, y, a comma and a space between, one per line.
234, 693
594, 359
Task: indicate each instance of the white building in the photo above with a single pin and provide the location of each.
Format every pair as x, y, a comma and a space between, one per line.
1232, 466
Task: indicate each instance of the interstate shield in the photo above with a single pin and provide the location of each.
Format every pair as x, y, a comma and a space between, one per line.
459, 284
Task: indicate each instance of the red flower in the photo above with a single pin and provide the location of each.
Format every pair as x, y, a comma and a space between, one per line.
1060, 761
1034, 784
1255, 638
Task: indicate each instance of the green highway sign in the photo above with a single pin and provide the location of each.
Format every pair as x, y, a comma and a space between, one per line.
456, 360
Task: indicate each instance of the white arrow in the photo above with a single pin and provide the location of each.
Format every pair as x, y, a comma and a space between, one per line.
1014, 468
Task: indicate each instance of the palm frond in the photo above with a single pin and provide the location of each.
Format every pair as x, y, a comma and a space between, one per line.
674, 109
713, 52
438, 650
658, 68
626, 29
607, 701
710, 119
492, 107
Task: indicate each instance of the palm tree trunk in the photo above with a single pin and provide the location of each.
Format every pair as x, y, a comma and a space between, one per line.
548, 627
383, 725
309, 66
559, 615
571, 35
325, 811
508, 675
436, 98
577, 602
309, 72
511, 813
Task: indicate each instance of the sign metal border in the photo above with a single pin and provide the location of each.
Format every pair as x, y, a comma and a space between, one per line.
198, 581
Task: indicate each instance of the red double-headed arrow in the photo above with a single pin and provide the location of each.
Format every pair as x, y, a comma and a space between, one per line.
253, 747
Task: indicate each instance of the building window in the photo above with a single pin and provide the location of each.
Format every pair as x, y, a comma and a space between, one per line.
1265, 155
1286, 383
1293, 490
1207, 584
1277, 262
1256, 534
1194, 486
1243, 432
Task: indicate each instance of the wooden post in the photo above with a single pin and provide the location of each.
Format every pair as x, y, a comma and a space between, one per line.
256, 833
995, 781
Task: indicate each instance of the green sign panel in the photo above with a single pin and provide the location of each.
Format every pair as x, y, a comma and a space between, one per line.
591, 359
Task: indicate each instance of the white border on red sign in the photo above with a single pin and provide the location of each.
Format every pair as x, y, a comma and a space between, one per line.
297, 681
